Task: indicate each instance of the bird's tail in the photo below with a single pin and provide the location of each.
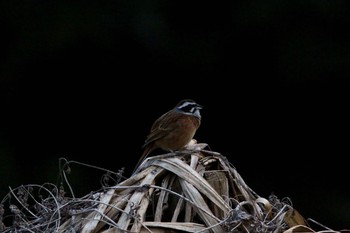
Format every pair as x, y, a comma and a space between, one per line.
144, 155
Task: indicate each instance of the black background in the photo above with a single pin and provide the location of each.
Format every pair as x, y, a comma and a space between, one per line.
84, 80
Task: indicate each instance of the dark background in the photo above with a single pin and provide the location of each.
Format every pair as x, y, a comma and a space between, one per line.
84, 80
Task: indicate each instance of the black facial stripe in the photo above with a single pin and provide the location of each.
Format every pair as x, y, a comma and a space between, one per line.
191, 108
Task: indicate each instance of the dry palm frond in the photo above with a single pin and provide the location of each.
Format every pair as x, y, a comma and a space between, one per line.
189, 191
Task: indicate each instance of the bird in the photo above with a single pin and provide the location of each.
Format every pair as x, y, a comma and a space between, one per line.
173, 130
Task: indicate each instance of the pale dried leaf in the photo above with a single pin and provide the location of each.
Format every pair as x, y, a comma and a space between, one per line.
183, 226
182, 170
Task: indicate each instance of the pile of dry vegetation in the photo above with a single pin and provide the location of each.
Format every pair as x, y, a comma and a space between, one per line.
190, 191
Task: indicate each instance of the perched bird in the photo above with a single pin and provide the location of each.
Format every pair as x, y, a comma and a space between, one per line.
174, 129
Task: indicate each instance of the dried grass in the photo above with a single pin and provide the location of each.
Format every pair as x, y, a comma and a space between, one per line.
190, 191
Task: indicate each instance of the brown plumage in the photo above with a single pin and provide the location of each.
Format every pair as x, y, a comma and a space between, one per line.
174, 129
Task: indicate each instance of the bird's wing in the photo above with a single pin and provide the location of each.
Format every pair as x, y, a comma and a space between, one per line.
162, 126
